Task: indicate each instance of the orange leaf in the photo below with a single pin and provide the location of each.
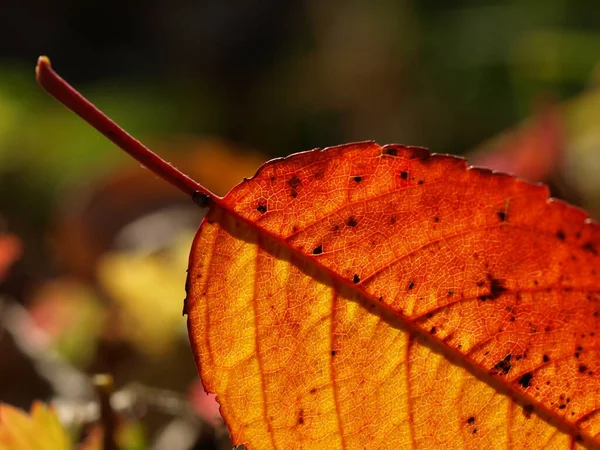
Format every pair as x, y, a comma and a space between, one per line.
382, 297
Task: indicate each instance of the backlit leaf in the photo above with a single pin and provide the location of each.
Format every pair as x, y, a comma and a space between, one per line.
382, 297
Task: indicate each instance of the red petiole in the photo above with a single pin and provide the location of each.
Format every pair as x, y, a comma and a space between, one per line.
72, 99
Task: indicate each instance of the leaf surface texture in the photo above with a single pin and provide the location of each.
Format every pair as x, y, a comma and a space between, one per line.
381, 297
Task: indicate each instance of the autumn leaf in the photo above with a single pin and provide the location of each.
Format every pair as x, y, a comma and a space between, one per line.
367, 296
382, 297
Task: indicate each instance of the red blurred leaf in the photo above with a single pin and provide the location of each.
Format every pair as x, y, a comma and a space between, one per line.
10, 251
204, 404
533, 151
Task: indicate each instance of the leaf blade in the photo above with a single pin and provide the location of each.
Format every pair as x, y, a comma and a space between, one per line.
370, 200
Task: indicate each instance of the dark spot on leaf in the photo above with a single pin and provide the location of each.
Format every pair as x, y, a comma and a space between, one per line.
561, 235
390, 151
351, 222
318, 250
404, 175
358, 179
496, 289
356, 279
393, 219
474, 430
471, 420
563, 406
433, 330
436, 219
301, 417
503, 366
525, 380
261, 208
527, 410
450, 293
294, 229
411, 285
582, 368
313, 391
590, 247
421, 181
546, 358
294, 183
332, 352
501, 215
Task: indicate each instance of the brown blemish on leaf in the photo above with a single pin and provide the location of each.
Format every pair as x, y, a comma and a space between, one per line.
496, 289
525, 380
590, 247
301, 417
294, 183
528, 410
503, 366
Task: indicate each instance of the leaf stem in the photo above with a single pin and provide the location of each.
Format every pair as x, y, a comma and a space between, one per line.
72, 99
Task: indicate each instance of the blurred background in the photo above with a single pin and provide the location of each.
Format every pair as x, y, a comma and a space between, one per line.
93, 248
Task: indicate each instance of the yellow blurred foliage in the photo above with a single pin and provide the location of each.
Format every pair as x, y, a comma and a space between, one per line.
39, 430
146, 287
